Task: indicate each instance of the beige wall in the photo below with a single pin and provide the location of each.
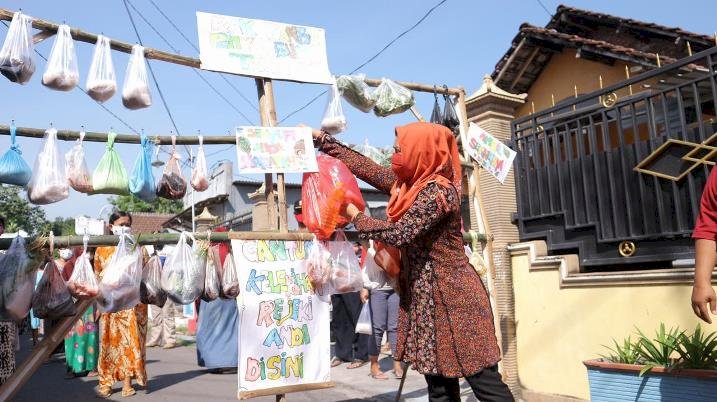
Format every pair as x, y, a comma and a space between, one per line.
559, 328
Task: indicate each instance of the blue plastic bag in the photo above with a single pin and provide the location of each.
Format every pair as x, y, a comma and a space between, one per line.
141, 183
14, 169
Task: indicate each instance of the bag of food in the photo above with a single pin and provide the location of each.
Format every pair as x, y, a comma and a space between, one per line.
150, 289
135, 92
436, 114
17, 280
49, 183
61, 72
356, 92
183, 273
141, 184
110, 176
450, 117
212, 283
363, 324
378, 155
121, 278
76, 170
318, 266
172, 186
200, 174
345, 268
323, 193
16, 62
334, 121
373, 276
52, 299
230, 279
392, 98
13, 168
101, 81
83, 282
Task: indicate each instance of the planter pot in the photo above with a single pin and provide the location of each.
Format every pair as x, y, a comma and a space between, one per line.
622, 382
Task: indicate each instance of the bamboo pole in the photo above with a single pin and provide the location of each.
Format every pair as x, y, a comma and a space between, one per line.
70, 135
265, 93
414, 86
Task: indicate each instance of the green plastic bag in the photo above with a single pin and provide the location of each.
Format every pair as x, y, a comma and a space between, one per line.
110, 176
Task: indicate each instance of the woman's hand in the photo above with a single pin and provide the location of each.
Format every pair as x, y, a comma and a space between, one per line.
315, 134
363, 294
350, 212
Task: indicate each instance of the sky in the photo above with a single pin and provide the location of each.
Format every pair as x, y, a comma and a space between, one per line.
456, 45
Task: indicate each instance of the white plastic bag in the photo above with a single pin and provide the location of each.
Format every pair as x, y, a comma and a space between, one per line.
83, 282
353, 88
135, 92
17, 281
76, 170
183, 273
61, 72
200, 176
345, 269
334, 120
119, 286
373, 276
363, 324
212, 283
230, 280
48, 183
16, 56
101, 80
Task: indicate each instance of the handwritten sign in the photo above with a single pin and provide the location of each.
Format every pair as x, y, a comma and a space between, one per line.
284, 325
489, 152
262, 48
275, 150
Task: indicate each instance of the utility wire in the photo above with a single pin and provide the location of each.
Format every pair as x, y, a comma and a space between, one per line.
545, 8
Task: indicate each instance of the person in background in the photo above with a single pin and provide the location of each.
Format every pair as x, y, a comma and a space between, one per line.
36, 323
704, 300
122, 334
162, 329
8, 334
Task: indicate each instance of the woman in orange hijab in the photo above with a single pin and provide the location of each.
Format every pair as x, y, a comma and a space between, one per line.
445, 322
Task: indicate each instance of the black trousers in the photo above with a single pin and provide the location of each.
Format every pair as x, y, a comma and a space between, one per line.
345, 311
487, 385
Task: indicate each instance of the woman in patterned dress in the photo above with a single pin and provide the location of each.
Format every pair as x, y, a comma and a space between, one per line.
122, 334
81, 346
445, 323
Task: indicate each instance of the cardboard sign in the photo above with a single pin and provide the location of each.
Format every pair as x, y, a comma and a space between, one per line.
275, 150
489, 152
262, 48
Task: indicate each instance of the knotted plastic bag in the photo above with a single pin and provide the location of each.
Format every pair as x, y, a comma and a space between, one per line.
318, 266
61, 72
150, 289
141, 183
212, 283
378, 155
101, 80
183, 273
373, 276
230, 279
356, 92
436, 114
76, 170
345, 268
16, 56
392, 98
172, 185
200, 174
450, 117
135, 92
121, 277
334, 121
17, 280
110, 176
49, 183
363, 324
83, 282
52, 299
13, 168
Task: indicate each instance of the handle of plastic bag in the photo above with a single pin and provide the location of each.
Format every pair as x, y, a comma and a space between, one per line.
174, 145
111, 139
52, 244
201, 141
82, 135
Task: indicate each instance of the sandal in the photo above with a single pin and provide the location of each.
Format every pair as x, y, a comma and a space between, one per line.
104, 391
128, 391
356, 364
92, 373
398, 374
336, 362
380, 376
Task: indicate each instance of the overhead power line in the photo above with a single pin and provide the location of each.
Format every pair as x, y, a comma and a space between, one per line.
545, 8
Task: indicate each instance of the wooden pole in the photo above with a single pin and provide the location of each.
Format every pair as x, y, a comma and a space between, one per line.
265, 92
414, 86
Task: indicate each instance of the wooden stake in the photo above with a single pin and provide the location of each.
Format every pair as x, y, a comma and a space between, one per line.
627, 76
532, 107
689, 49
267, 113
657, 57
552, 99
575, 89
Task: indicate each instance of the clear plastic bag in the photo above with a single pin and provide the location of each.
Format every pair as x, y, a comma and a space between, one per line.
318, 265
101, 80
83, 282
392, 98
363, 324
183, 273
13, 168
200, 174
76, 170
49, 183
230, 279
141, 183
345, 267
17, 281
436, 114
61, 72
373, 276
52, 299
121, 278
334, 121
16, 56
357, 93
378, 155
212, 283
150, 289
110, 176
172, 185
135, 92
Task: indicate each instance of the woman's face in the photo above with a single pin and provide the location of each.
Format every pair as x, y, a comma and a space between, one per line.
122, 221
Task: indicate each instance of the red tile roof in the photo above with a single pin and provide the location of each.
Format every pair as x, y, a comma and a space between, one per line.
148, 222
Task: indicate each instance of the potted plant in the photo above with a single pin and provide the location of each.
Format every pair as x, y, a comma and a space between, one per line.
672, 366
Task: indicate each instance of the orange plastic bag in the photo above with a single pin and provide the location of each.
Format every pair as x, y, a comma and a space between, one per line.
325, 192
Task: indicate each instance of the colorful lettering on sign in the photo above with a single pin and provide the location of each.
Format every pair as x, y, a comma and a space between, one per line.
275, 367
274, 250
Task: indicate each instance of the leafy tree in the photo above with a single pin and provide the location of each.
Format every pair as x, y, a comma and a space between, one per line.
20, 214
63, 226
130, 203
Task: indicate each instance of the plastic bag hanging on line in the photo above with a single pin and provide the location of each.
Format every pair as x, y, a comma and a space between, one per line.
380, 156
121, 277
200, 174
172, 185
436, 114
49, 183
212, 283
318, 266
230, 279
183, 273
17, 281
334, 120
135, 92
374, 276
76, 170
101, 80
150, 289
13, 168
16, 56
141, 183
357, 93
345, 268
392, 98
450, 117
363, 324
52, 299
110, 176
61, 72
83, 282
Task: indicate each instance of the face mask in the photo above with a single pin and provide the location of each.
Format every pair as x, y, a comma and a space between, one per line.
120, 230
398, 168
66, 254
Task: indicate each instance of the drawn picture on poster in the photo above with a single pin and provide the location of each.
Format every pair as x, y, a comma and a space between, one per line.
489, 152
284, 325
260, 48
275, 150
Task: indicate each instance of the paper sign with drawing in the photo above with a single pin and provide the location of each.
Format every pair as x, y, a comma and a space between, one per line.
275, 150
489, 152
